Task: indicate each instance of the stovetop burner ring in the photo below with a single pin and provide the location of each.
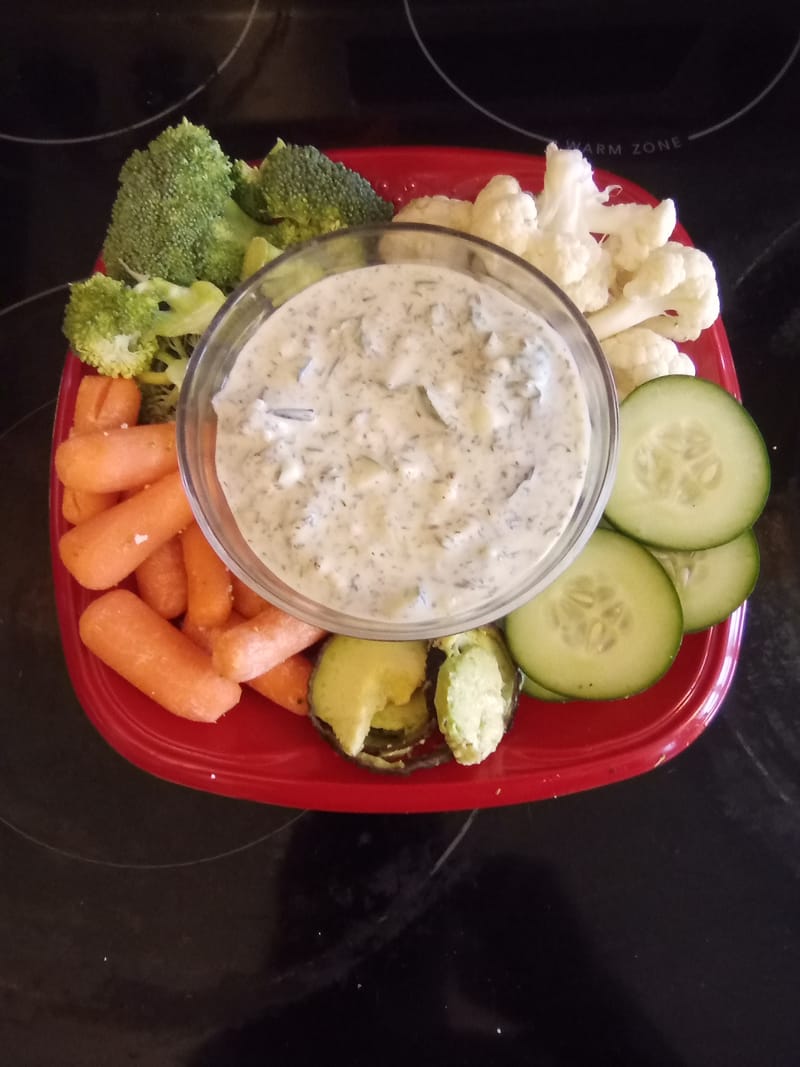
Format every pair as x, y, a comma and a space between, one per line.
149, 119
602, 142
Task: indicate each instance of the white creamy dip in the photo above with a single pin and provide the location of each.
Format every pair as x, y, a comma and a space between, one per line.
401, 442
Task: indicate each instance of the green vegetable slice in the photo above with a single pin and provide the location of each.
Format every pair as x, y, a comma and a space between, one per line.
693, 470
608, 627
712, 582
538, 692
476, 692
356, 681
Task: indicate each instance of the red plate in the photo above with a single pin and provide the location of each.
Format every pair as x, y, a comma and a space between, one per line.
263, 753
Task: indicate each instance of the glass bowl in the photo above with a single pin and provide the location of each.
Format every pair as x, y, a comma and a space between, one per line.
309, 265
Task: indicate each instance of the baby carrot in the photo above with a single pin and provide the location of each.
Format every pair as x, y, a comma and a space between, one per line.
286, 684
108, 461
100, 404
155, 657
107, 548
205, 636
103, 403
77, 505
246, 600
161, 579
258, 644
209, 593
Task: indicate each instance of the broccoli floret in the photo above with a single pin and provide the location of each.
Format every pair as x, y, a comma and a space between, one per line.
247, 190
258, 253
189, 309
174, 217
109, 326
116, 328
159, 403
303, 194
232, 235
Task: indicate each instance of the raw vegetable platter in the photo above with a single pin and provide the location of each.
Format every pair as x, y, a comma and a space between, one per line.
262, 753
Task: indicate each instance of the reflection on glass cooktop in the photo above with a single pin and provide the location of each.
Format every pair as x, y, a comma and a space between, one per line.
616, 82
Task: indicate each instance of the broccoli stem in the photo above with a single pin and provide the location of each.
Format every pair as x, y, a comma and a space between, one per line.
174, 367
154, 377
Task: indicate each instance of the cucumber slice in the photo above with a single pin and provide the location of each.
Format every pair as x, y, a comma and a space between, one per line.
713, 582
693, 469
609, 626
538, 692
476, 692
355, 680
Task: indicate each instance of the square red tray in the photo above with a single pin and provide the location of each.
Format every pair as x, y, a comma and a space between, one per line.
263, 753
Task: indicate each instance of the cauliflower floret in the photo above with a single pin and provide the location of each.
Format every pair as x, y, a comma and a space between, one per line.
504, 214
674, 292
634, 229
578, 265
431, 211
634, 276
637, 355
437, 211
567, 192
571, 202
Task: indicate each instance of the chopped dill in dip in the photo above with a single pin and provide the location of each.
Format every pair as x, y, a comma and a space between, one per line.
402, 441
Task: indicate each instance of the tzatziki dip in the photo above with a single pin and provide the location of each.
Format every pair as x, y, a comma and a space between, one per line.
402, 442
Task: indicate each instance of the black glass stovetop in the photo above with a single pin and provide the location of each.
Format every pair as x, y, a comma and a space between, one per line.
652, 922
